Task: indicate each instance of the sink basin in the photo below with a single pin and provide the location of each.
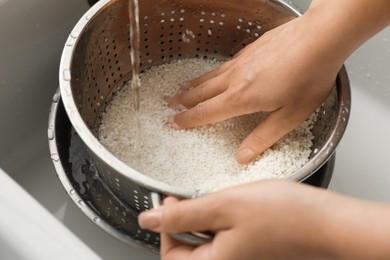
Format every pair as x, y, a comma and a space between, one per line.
33, 35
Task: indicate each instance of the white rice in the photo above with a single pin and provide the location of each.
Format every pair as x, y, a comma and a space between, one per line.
201, 158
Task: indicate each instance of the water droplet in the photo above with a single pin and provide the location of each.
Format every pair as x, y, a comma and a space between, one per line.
88, 17
70, 41
55, 157
72, 192
50, 133
66, 75
96, 219
56, 97
81, 203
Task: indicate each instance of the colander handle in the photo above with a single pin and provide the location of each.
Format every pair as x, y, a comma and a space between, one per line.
190, 238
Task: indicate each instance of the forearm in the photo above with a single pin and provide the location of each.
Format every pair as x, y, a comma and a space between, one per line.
353, 229
338, 28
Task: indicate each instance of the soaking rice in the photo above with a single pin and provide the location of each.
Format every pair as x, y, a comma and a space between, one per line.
199, 159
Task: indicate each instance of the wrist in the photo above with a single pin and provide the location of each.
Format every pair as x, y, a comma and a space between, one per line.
340, 27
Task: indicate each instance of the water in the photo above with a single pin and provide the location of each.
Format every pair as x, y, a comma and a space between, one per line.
108, 209
135, 64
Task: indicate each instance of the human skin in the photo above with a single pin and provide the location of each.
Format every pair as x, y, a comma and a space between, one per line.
278, 219
274, 220
289, 83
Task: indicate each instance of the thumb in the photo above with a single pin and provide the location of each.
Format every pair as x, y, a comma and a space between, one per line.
268, 132
184, 216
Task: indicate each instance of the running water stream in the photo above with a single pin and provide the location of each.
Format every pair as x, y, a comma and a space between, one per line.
135, 64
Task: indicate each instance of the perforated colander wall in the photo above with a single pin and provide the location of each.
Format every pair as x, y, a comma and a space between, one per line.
169, 30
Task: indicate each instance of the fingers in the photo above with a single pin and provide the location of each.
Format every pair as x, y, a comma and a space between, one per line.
204, 91
210, 111
186, 215
175, 250
268, 132
201, 88
170, 248
207, 76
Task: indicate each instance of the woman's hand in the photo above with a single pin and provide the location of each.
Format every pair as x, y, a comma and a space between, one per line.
287, 72
264, 220
273, 220
279, 73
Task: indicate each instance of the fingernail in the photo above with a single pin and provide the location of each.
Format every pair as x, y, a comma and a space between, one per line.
150, 219
245, 155
171, 122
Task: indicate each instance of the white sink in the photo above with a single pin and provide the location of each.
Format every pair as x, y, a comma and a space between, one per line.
32, 37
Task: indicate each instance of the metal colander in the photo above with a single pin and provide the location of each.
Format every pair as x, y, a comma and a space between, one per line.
95, 64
